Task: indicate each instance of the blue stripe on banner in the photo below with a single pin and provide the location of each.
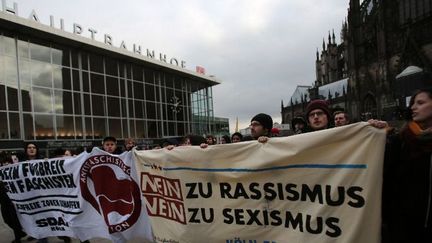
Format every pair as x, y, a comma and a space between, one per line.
307, 166
37, 197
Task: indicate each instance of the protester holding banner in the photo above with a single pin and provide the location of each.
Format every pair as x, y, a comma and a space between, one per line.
298, 124
31, 152
192, 140
261, 126
407, 188
225, 139
8, 212
59, 153
293, 189
186, 141
129, 144
109, 144
68, 152
210, 139
236, 137
318, 115
341, 118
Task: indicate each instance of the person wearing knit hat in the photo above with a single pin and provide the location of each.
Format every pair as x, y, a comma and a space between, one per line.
298, 125
275, 132
261, 125
318, 115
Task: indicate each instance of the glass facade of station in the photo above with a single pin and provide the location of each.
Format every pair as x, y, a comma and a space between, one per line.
50, 91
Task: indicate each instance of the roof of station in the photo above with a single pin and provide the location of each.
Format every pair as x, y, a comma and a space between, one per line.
17, 24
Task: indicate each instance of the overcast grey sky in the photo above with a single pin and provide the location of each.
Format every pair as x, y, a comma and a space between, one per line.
260, 49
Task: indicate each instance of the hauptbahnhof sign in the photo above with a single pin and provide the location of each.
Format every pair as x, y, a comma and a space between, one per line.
78, 29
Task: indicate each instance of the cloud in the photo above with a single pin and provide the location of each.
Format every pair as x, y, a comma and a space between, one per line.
256, 15
260, 49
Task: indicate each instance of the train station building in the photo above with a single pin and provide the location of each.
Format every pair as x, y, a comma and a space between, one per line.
60, 88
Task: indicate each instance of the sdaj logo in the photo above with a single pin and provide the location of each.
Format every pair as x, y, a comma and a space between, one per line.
107, 185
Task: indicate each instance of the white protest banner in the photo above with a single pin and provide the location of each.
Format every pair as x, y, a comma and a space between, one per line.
92, 195
317, 187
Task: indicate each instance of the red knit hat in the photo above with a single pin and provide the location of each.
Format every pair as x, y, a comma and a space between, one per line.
275, 130
318, 104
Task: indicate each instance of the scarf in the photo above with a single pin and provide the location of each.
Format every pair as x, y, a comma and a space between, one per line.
416, 137
420, 133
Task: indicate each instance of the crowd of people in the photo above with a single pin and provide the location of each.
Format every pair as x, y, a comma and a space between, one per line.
299, 125
261, 127
31, 152
407, 187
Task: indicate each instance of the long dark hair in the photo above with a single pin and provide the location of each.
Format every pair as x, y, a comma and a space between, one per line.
25, 156
238, 135
428, 91
227, 138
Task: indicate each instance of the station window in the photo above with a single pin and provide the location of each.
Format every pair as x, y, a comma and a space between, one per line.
14, 125
44, 127
28, 126
3, 126
40, 52
115, 128
96, 63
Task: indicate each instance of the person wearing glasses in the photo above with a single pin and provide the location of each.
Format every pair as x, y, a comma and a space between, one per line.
318, 115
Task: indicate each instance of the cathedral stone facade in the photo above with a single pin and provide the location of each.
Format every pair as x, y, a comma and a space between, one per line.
379, 40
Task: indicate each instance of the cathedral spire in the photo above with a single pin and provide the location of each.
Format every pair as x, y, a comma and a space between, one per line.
334, 38
354, 4
317, 55
323, 44
344, 31
329, 38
